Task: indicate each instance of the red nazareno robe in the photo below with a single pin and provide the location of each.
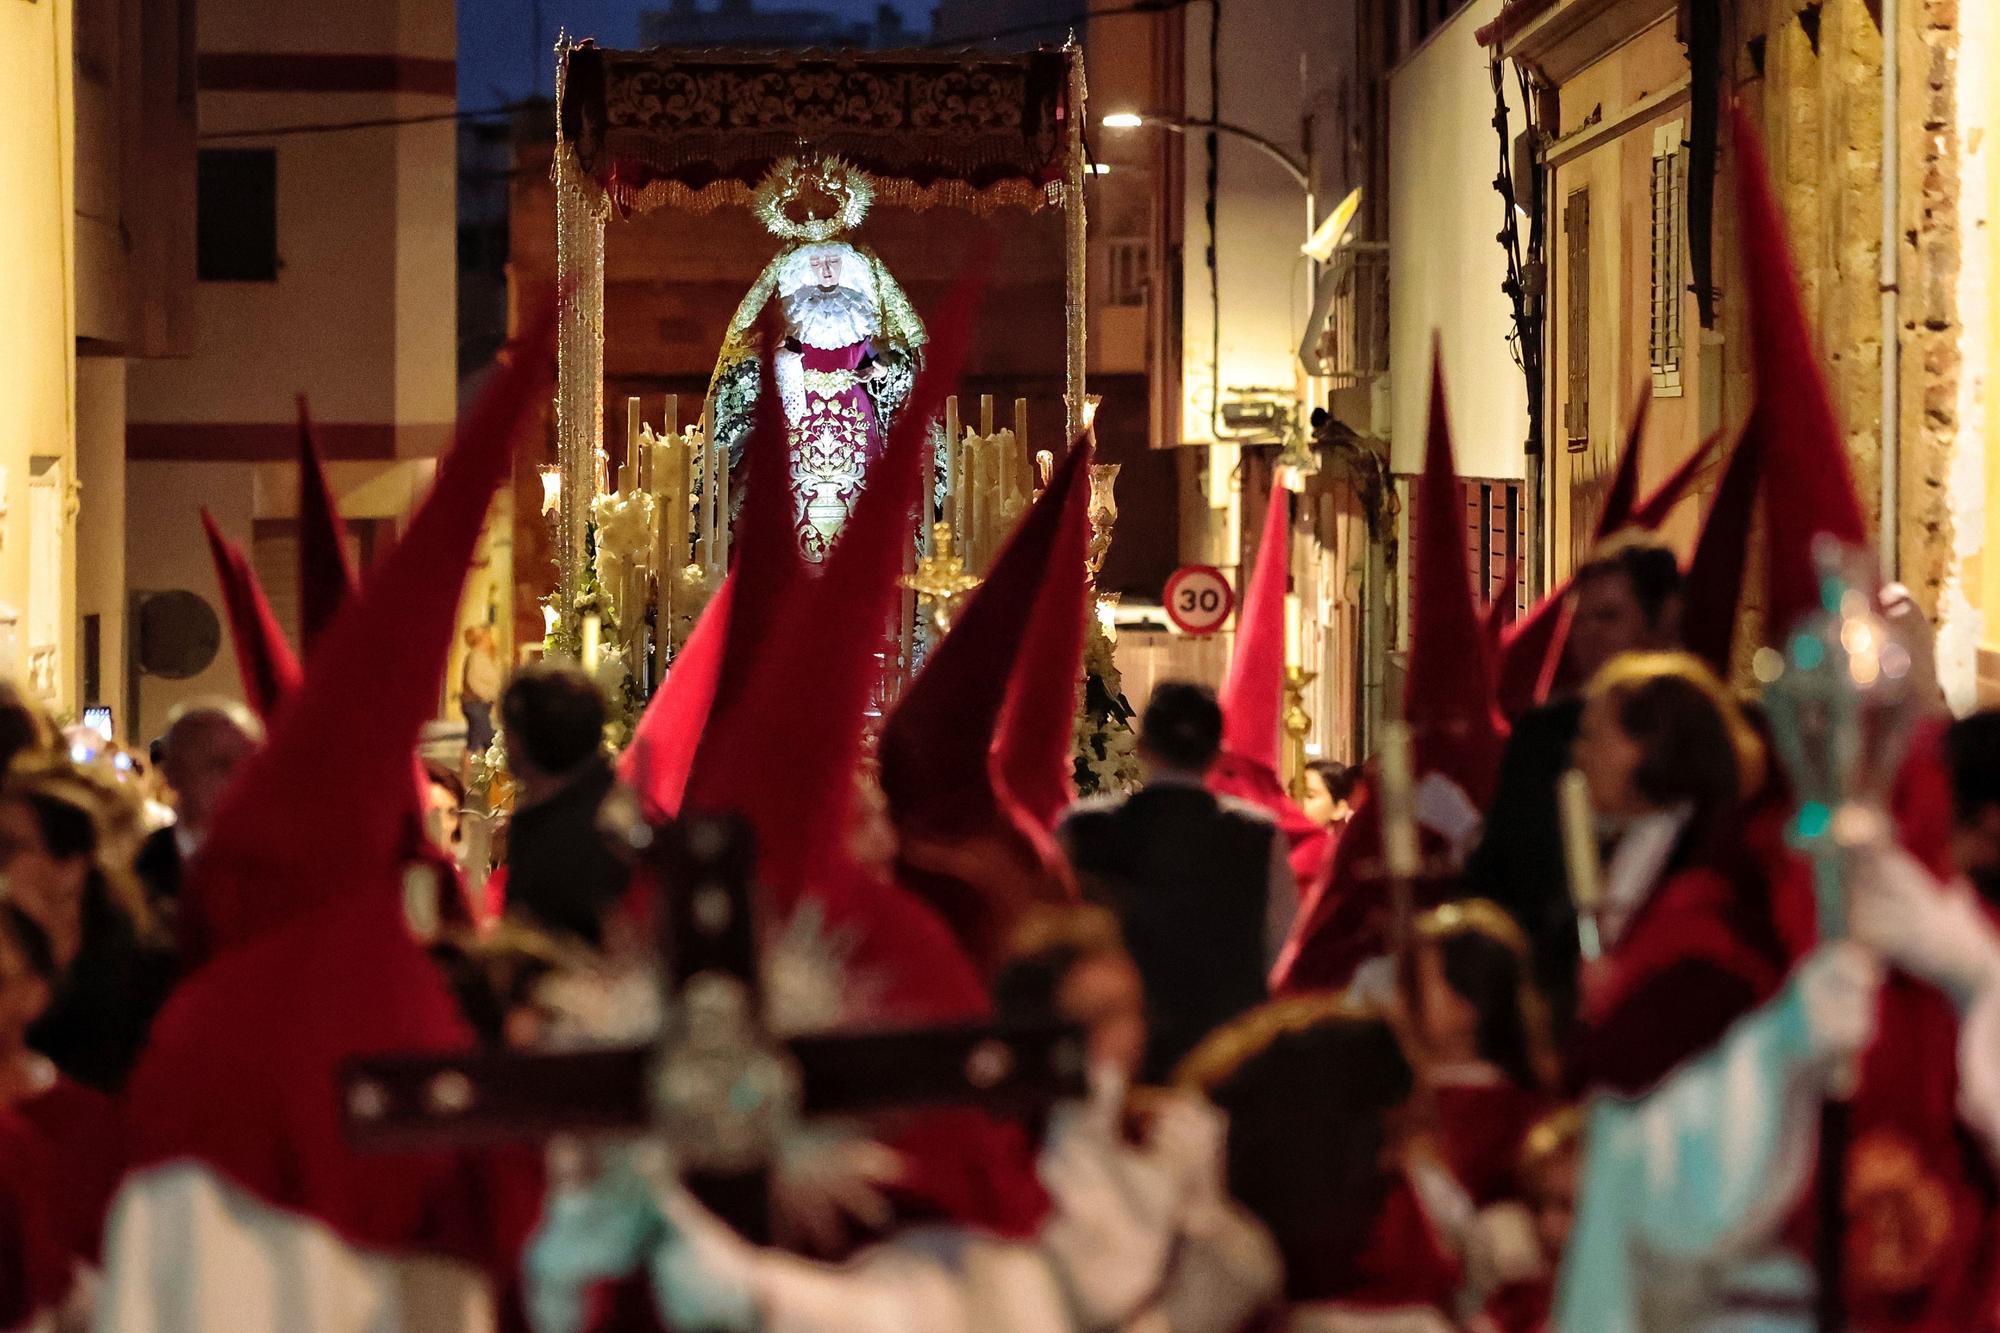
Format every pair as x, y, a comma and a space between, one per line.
1716, 939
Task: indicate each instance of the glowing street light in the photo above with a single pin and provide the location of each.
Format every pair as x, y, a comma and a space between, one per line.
1132, 120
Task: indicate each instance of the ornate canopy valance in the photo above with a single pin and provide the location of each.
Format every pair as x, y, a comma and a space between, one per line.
699, 129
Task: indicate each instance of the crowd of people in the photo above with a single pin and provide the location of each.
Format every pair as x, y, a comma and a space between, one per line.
1446, 1048
1403, 1150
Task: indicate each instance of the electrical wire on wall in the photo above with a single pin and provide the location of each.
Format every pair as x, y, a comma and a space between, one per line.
1210, 208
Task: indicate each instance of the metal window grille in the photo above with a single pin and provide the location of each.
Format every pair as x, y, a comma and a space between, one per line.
1496, 544
1429, 14
1127, 271
1576, 334
1669, 278
1354, 348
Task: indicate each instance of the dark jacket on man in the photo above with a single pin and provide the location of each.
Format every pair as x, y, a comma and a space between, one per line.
1519, 861
159, 866
1204, 894
561, 873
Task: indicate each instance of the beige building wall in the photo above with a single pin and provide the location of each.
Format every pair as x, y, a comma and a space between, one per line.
1979, 570
1445, 270
1816, 90
361, 318
1619, 98
1277, 58
165, 550
100, 532
37, 348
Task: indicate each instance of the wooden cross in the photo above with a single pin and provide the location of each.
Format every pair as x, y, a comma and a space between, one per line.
715, 1084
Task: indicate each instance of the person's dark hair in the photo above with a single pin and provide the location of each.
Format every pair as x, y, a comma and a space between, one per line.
1486, 961
440, 774
1653, 571
1338, 777
31, 941
1972, 749
24, 727
1312, 1087
1182, 725
553, 716
64, 807
1695, 745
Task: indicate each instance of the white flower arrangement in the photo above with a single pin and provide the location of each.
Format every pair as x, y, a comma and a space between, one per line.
1107, 750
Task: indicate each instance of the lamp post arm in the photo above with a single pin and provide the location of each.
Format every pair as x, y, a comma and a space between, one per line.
1271, 149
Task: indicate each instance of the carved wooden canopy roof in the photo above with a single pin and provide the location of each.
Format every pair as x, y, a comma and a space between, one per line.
700, 128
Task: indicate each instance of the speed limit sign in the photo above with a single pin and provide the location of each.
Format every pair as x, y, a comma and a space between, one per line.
1198, 599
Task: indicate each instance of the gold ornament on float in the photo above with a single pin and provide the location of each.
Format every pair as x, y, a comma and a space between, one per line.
828, 181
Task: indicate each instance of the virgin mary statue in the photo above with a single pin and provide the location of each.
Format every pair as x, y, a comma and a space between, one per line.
851, 349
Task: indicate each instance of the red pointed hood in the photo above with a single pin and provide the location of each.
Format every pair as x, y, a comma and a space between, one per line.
657, 762
1455, 729
1621, 497
1253, 695
346, 741
1531, 659
1253, 689
300, 890
1035, 753
803, 707
765, 560
733, 631
1448, 694
936, 744
265, 662
1811, 489
936, 747
326, 580
1713, 591
814, 663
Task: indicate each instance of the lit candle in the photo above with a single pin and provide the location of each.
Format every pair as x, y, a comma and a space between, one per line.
979, 521
951, 446
669, 495
593, 630
1579, 834
1017, 453
1294, 631
705, 538
628, 467
722, 506
1399, 824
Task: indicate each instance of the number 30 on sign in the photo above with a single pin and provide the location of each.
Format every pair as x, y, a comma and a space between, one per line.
1198, 599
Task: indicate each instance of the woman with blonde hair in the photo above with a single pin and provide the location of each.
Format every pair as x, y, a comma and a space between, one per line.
1703, 911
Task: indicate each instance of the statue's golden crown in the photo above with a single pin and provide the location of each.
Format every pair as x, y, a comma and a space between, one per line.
813, 201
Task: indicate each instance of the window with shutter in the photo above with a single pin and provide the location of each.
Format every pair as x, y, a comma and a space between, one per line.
1669, 245
1428, 15
1576, 331
1495, 543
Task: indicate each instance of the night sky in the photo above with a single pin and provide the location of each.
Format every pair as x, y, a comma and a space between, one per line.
500, 58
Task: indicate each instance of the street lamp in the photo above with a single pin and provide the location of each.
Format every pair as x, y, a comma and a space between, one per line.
1299, 170
1132, 120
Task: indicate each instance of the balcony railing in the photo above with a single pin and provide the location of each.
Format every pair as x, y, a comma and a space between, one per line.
1353, 345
